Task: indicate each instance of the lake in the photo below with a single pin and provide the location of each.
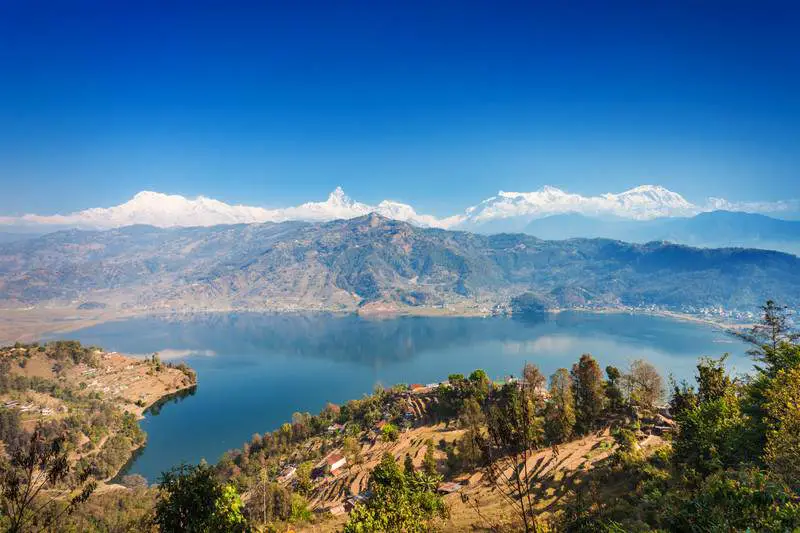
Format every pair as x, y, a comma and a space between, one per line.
255, 370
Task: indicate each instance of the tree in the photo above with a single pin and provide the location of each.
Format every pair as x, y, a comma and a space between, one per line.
268, 500
398, 502
712, 379
782, 450
514, 430
712, 436
429, 461
408, 465
774, 339
479, 385
588, 392
644, 385
774, 328
614, 398
352, 449
459, 389
11, 432
192, 500
5, 374
302, 477
684, 398
746, 499
471, 444
533, 385
31, 481
533, 377
560, 410
389, 432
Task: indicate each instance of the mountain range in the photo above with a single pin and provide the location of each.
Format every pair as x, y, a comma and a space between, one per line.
373, 261
711, 229
641, 214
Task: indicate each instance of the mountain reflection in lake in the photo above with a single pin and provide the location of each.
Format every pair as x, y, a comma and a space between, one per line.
255, 370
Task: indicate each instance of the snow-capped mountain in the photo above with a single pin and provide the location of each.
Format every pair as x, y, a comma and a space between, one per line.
506, 211
641, 203
169, 210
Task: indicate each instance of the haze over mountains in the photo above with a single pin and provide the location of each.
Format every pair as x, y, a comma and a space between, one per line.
641, 214
375, 261
711, 229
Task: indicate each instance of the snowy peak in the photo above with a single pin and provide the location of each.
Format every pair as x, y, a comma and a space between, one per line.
640, 203
171, 210
651, 195
506, 211
339, 198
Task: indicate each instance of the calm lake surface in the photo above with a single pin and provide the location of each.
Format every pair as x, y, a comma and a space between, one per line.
255, 370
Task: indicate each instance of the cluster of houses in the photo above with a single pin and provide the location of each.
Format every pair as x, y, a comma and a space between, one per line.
349, 503
31, 408
332, 464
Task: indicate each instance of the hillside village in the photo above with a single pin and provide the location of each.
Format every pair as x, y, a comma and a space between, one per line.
413, 429
92, 396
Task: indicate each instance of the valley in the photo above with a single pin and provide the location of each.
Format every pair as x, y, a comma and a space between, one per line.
370, 265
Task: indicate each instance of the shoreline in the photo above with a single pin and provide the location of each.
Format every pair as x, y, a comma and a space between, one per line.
187, 390
38, 323
673, 315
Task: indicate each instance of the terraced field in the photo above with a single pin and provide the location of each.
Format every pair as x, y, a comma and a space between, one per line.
352, 479
557, 473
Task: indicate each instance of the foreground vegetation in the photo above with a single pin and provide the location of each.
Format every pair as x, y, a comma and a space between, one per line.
735, 461
723, 456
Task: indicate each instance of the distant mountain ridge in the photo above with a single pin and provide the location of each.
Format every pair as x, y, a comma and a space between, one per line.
371, 260
712, 229
506, 211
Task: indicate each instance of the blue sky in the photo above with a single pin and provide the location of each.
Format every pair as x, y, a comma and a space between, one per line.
438, 104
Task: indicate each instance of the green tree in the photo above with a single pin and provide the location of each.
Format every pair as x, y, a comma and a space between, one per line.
302, 477
614, 397
514, 431
429, 461
408, 465
471, 444
192, 500
782, 450
684, 398
736, 500
588, 392
774, 329
389, 432
352, 449
398, 501
711, 437
560, 410
712, 379
300, 511
479, 385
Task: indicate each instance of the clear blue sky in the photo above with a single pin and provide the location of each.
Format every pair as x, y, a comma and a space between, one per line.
435, 103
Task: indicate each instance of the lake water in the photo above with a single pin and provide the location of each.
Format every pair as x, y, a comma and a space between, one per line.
255, 370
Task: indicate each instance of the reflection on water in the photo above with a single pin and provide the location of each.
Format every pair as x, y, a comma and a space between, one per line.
175, 397
365, 341
255, 370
